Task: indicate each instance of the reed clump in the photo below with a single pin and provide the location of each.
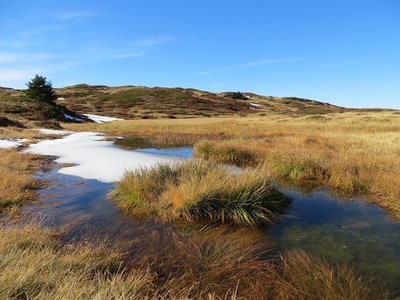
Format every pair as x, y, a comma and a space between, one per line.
199, 190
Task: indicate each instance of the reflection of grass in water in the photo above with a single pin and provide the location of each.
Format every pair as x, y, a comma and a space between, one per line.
356, 246
136, 142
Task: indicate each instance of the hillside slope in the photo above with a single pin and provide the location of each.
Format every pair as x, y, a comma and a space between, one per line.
137, 102
18, 111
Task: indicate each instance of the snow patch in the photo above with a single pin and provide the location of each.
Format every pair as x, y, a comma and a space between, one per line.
101, 119
11, 143
54, 131
255, 104
96, 158
72, 118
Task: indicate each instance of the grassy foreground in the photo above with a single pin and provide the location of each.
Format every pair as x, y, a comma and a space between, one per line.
208, 265
198, 190
351, 152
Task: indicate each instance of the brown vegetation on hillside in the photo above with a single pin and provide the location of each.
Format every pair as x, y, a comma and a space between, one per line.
136, 102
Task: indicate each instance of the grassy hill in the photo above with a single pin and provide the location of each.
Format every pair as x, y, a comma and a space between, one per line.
18, 111
137, 102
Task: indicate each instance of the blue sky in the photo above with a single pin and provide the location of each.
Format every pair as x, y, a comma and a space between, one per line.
346, 52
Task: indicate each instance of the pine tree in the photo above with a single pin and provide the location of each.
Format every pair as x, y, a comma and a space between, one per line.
41, 90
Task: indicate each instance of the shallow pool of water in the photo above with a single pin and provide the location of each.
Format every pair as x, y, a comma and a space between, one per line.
82, 207
348, 231
184, 152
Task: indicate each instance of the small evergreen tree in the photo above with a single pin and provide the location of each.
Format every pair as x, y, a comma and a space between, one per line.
41, 90
237, 95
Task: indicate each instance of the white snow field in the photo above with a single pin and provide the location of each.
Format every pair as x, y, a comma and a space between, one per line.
11, 143
101, 119
96, 158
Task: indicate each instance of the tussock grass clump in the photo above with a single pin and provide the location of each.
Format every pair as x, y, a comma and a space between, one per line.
16, 178
199, 190
238, 154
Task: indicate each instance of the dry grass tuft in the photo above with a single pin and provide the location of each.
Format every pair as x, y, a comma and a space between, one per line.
198, 190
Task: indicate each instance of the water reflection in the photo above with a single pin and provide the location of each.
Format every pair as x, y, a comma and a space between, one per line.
343, 230
185, 152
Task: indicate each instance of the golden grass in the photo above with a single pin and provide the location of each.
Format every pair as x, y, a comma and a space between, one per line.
198, 190
176, 265
17, 182
19, 133
34, 265
261, 126
350, 164
202, 263
352, 151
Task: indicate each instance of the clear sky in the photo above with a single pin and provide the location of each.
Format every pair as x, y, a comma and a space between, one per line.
346, 52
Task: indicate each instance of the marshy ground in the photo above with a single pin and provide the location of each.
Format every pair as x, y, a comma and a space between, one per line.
348, 152
208, 236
